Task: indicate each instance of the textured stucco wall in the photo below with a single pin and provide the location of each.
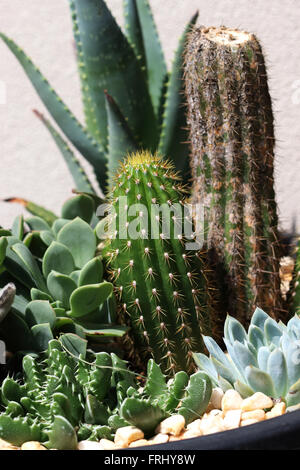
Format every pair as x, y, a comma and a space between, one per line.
31, 166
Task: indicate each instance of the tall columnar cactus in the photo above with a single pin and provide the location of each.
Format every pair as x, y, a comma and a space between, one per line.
160, 284
232, 155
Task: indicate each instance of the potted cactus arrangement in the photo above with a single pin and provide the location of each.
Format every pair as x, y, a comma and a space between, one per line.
149, 311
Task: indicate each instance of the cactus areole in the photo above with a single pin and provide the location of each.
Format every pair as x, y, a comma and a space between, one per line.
232, 153
159, 283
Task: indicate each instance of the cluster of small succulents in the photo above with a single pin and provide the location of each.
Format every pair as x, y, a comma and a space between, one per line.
74, 394
54, 281
264, 359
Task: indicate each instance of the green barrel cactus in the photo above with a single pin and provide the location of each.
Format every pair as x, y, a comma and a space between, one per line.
266, 358
131, 101
54, 281
232, 159
73, 394
161, 285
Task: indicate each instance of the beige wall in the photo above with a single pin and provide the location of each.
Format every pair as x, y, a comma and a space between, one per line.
31, 166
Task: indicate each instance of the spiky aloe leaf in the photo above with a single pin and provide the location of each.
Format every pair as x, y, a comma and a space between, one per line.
120, 139
71, 127
174, 134
62, 435
18, 430
133, 31
155, 62
109, 63
77, 171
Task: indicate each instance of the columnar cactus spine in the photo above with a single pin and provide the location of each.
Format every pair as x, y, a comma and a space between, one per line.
161, 286
232, 153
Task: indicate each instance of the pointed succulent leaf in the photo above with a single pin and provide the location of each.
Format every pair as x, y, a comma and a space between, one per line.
115, 422
17, 228
174, 134
216, 351
272, 332
120, 139
244, 355
291, 351
258, 318
79, 237
62, 435
81, 206
197, 397
42, 334
77, 171
223, 371
91, 273
262, 357
277, 369
96, 332
224, 384
256, 337
104, 50
40, 311
58, 225
260, 381
234, 330
86, 299
100, 376
61, 287
142, 414
156, 386
205, 364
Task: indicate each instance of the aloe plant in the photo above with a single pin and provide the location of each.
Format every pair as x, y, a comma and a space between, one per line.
57, 274
130, 99
74, 394
263, 359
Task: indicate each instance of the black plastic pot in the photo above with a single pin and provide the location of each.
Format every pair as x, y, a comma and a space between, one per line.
282, 433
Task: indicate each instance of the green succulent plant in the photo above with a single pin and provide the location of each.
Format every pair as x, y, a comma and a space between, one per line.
295, 289
76, 395
159, 280
130, 99
265, 359
58, 277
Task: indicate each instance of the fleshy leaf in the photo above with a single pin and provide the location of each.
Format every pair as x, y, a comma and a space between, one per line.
61, 287
91, 273
79, 237
58, 258
81, 206
86, 299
